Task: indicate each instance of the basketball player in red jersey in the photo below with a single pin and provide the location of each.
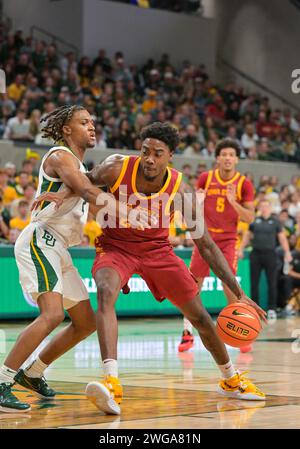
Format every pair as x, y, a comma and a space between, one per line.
229, 196
123, 251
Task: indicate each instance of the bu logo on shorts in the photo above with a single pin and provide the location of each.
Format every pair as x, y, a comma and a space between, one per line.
49, 239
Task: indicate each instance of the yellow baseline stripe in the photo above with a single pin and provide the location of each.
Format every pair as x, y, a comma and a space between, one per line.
41, 264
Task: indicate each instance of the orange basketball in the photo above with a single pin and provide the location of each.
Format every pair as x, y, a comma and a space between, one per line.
238, 324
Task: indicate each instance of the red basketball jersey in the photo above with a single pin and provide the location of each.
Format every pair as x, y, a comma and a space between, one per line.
221, 218
134, 240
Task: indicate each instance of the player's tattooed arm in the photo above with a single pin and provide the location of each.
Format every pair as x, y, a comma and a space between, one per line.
193, 213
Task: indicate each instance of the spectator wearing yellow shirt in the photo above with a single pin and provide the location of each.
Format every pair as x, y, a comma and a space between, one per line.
178, 234
92, 229
242, 228
16, 90
27, 167
21, 221
150, 103
8, 193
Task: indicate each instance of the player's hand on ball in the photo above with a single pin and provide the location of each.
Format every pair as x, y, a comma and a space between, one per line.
262, 314
231, 193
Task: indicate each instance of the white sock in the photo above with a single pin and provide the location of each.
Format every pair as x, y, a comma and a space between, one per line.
187, 325
7, 375
110, 367
227, 370
36, 369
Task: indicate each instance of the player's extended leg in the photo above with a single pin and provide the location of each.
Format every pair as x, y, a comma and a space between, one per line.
187, 339
107, 395
51, 315
83, 324
199, 269
233, 384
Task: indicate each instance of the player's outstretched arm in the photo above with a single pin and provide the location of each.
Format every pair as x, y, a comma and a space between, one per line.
193, 213
64, 166
104, 174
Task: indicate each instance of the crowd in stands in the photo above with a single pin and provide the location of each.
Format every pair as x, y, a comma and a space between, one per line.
18, 189
123, 98
185, 6
17, 192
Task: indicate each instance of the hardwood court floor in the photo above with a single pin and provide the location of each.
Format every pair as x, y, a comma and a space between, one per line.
164, 389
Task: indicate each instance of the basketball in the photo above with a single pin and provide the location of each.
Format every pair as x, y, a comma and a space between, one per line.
238, 324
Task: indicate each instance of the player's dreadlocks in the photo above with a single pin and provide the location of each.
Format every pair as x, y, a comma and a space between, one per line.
57, 119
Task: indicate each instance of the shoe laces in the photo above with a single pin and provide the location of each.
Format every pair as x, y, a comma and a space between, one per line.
244, 381
114, 387
5, 385
42, 381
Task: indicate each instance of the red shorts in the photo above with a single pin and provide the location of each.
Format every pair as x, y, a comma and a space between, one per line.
166, 274
200, 269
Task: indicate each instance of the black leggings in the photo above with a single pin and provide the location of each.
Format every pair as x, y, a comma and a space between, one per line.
264, 260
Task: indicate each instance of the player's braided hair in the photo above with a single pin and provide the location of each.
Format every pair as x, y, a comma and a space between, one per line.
56, 120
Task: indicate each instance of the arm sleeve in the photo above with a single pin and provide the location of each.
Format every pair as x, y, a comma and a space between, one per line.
247, 191
202, 180
251, 227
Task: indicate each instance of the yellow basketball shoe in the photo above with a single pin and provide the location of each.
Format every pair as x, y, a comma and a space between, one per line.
239, 387
106, 395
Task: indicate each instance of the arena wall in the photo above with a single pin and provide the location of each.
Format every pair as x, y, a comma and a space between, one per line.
142, 34
139, 33
261, 38
61, 18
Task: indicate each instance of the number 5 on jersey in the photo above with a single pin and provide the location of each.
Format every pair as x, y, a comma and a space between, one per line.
220, 207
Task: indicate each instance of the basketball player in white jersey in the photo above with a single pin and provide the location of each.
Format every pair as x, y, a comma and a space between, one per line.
46, 269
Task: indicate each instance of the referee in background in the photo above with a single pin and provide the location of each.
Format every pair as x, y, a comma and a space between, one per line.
265, 231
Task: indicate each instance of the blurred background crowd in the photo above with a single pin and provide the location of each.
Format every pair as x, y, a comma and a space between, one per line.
123, 98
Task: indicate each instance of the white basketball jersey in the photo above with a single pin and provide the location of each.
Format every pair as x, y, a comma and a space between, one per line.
68, 220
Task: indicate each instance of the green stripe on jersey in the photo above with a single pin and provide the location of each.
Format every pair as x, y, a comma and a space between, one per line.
46, 275
49, 186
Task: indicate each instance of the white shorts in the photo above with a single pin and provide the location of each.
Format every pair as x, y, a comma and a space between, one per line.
45, 265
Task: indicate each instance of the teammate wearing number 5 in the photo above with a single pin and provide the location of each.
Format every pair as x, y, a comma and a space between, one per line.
229, 196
